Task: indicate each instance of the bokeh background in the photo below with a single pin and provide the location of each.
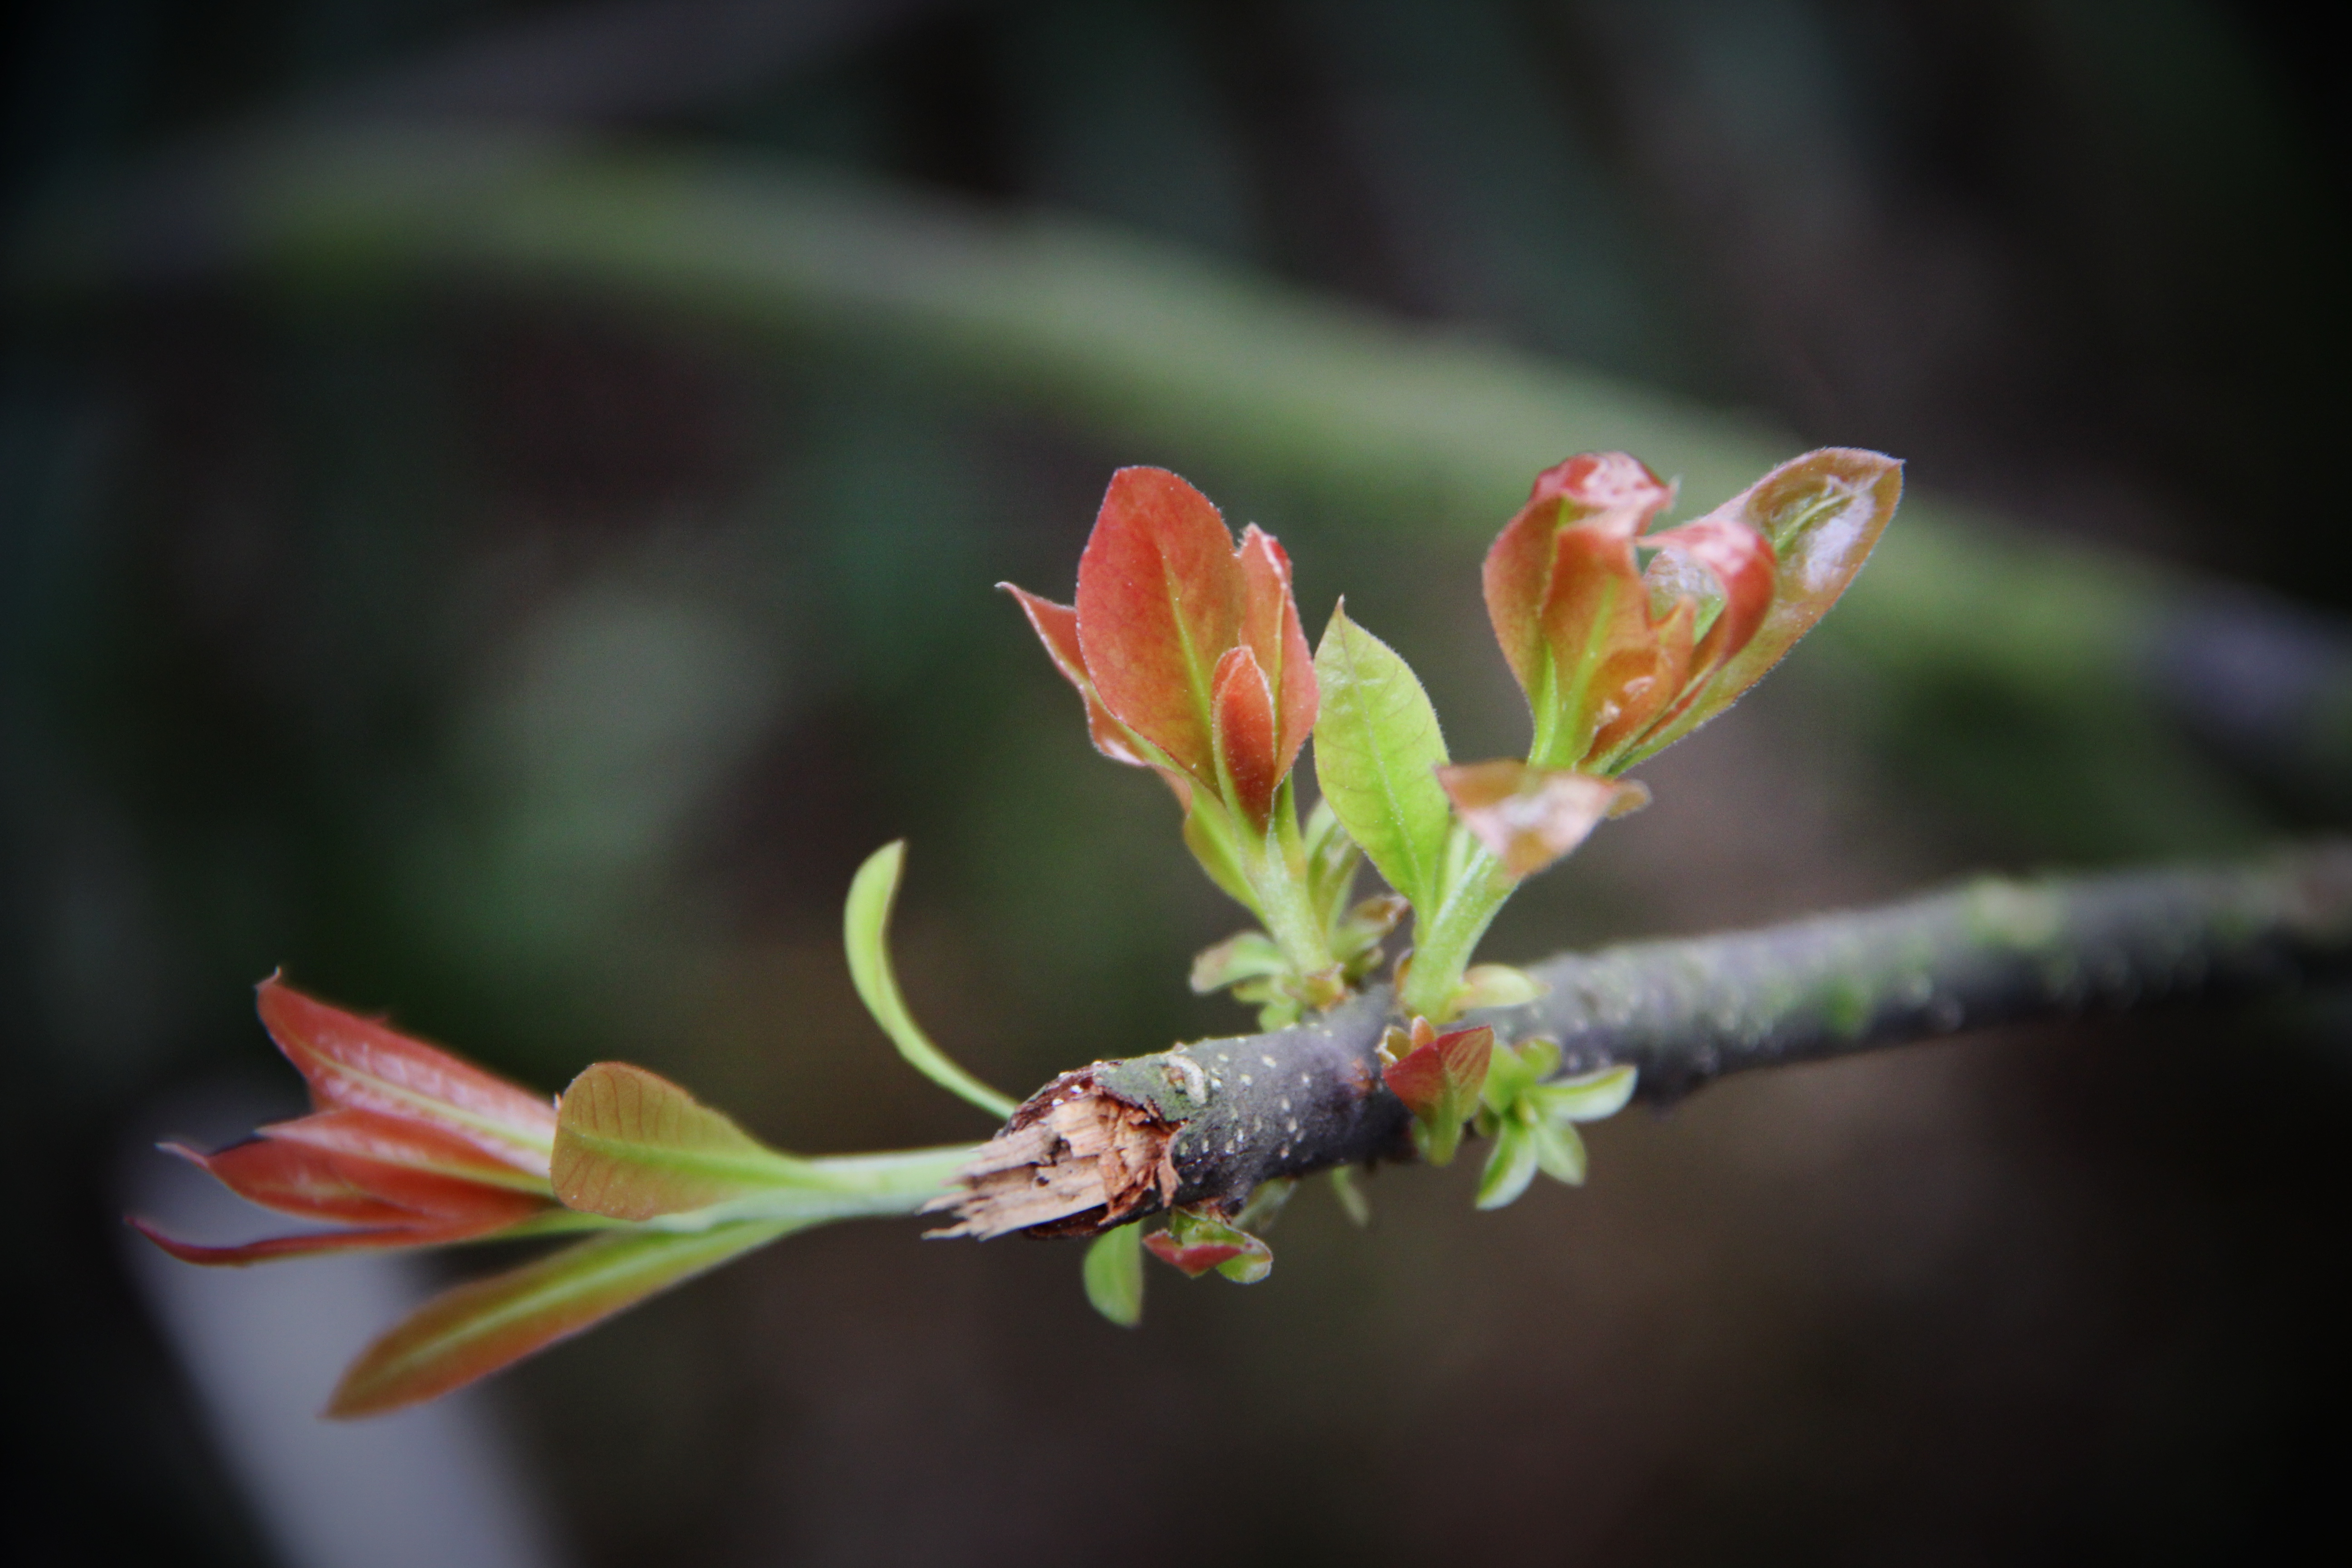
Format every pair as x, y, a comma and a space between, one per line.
500, 505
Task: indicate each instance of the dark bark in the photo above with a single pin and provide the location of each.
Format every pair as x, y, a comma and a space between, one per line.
1235, 1112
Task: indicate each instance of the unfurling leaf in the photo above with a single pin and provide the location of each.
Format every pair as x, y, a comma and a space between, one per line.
478, 1327
1196, 1243
1113, 1275
357, 1064
1591, 1096
630, 1144
411, 1145
1376, 743
1164, 595
1242, 711
1439, 1078
866, 933
1527, 816
1822, 514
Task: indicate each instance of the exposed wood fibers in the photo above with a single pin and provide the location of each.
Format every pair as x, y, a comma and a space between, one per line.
1076, 1159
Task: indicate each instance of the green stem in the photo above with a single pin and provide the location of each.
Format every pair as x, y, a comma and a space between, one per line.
1442, 946
1274, 863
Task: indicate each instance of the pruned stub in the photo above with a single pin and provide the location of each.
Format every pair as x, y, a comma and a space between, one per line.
1076, 1159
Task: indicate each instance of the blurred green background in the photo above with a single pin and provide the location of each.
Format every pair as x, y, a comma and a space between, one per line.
500, 506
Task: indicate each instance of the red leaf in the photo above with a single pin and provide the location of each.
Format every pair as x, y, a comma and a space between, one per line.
1821, 515
1521, 568
1245, 734
356, 1064
1195, 1260
1159, 600
398, 1141
1056, 626
1530, 816
1270, 630
274, 1248
1440, 1076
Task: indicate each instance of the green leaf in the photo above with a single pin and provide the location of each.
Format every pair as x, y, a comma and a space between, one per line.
1558, 1151
1591, 1096
1376, 746
1509, 1167
865, 930
478, 1328
1245, 955
1113, 1275
630, 1144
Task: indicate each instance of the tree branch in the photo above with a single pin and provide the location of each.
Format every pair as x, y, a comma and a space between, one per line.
1207, 1123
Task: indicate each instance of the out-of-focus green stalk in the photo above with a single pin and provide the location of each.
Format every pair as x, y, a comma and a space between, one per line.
1170, 355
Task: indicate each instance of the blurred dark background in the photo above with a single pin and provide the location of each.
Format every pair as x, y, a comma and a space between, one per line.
500, 503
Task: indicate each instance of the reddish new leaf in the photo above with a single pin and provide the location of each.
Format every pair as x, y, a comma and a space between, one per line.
1159, 600
1822, 514
1056, 626
1242, 706
1530, 816
399, 1140
357, 1064
1611, 487
1195, 1260
1439, 1078
1271, 631
478, 1328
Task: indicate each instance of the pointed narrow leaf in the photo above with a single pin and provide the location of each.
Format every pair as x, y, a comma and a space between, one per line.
1510, 1166
1056, 626
399, 1140
1159, 600
1113, 1275
478, 1328
630, 1144
1530, 816
307, 1244
1243, 707
1376, 745
1822, 514
316, 1184
356, 1064
1271, 631
866, 933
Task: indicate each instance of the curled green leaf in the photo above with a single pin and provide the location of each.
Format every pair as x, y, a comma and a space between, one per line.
630, 1144
865, 930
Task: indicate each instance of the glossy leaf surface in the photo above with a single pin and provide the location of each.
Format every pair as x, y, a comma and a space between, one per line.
1822, 514
1377, 745
478, 1327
